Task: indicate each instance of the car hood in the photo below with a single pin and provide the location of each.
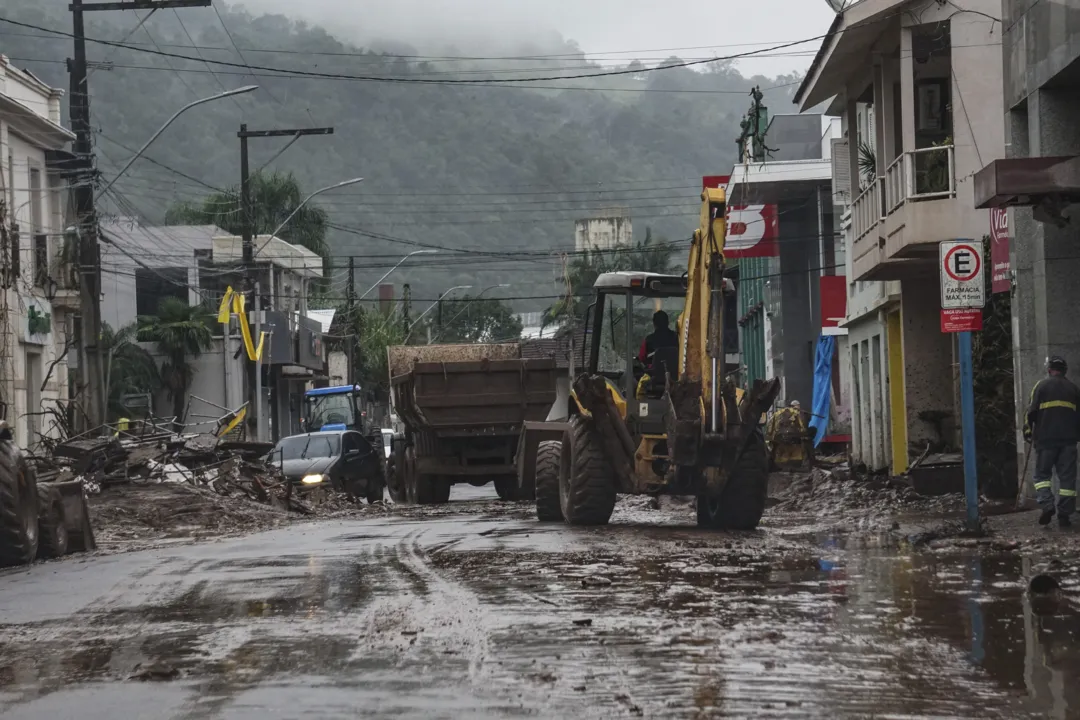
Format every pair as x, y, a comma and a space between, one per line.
309, 466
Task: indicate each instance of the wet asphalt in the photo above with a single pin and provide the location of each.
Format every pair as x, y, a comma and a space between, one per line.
474, 610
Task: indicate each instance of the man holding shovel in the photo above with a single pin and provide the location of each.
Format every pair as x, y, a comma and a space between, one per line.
1053, 424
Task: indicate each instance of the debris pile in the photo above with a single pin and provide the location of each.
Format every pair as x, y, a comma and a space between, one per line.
154, 455
154, 484
838, 489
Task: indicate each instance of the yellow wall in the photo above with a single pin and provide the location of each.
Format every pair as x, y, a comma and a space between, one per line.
897, 402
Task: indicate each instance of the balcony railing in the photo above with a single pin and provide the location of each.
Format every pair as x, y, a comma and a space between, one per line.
924, 174
866, 210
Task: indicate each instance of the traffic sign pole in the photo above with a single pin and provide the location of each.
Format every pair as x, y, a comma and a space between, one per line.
967, 418
963, 296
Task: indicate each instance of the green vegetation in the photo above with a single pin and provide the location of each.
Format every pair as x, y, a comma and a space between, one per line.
181, 332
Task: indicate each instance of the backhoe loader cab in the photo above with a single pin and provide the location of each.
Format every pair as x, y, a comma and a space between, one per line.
678, 426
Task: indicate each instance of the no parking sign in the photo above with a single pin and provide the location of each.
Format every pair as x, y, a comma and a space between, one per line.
963, 290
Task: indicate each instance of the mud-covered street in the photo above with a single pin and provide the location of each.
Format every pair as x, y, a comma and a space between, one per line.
474, 609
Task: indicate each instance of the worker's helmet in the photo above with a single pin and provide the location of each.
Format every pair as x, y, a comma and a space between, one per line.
1056, 362
794, 403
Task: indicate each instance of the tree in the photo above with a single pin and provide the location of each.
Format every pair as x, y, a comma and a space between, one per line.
645, 255
474, 320
181, 332
129, 369
273, 197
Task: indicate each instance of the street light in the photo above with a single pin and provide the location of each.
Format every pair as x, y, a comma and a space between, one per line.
400, 263
475, 297
320, 191
430, 308
178, 113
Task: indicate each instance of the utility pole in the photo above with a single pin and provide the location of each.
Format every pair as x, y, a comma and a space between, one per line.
86, 214
350, 304
245, 181
406, 297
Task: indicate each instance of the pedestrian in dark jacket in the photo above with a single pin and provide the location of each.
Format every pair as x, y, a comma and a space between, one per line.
1053, 424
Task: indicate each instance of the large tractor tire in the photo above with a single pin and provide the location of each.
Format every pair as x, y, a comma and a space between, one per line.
743, 500
52, 524
423, 488
586, 480
548, 463
395, 474
18, 507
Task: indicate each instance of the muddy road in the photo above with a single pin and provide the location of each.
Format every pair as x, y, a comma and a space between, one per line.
474, 610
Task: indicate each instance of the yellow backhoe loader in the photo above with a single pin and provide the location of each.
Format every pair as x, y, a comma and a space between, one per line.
678, 427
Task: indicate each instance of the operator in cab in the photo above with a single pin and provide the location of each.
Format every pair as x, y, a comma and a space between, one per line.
661, 337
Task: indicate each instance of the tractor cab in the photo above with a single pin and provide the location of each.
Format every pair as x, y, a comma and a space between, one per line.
334, 408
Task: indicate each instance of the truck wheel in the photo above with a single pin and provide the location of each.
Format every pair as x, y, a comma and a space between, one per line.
52, 524
586, 485
395, 475
548, 462
18, 507
507, 487
742, 503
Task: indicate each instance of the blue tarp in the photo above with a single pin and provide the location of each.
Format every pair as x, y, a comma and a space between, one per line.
826, 348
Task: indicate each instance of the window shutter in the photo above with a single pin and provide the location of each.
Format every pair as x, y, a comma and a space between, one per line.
841, 172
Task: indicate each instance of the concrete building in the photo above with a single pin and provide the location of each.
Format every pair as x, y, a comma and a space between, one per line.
784, 276
911, 82
1040, 180
38, 286
145, 264
607, 229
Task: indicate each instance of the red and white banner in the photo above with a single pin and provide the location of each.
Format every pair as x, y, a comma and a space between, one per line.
752, 230
833, 304
1000, 269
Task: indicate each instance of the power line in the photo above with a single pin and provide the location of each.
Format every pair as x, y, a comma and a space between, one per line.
455, 81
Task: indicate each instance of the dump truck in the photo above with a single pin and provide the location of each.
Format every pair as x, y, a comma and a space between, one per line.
677, 426
463, 408
38, 519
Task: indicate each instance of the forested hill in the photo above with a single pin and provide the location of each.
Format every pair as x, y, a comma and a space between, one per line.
492, 166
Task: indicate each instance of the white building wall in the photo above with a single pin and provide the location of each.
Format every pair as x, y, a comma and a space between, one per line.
33, 366
603, 233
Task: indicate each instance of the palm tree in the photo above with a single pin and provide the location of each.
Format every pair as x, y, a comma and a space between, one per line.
181, 332
273, 197
129, 369
645, 255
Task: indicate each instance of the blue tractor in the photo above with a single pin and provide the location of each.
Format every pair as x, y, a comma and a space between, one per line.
335, 408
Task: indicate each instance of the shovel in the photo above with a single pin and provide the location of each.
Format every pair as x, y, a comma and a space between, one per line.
1023, 479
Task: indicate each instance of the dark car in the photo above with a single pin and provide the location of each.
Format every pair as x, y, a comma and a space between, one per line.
342, 459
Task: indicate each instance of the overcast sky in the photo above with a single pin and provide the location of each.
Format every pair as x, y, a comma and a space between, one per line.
599, 26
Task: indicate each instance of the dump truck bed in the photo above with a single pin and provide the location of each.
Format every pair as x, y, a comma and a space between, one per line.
470, 389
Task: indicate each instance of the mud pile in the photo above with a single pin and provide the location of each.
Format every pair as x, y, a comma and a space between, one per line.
836, 490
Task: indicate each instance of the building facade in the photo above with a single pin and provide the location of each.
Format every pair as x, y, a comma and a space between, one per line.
1038, 183
911, 82
38, 289
607, 229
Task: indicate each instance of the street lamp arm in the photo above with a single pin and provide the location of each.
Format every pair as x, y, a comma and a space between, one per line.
431, 307
320, 191
400, 263
178, 113
467, 305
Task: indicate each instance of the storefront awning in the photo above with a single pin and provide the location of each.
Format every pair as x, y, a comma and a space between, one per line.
1027, 181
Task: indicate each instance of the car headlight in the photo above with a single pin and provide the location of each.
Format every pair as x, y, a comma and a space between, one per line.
313, 479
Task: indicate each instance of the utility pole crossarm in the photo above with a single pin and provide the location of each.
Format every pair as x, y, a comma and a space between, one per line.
284, 133
141, 5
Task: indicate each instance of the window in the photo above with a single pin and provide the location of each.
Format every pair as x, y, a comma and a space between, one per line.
39, 240
305, 447
153, 286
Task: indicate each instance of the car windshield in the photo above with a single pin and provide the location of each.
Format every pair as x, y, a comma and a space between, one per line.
306, 447
331, 410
